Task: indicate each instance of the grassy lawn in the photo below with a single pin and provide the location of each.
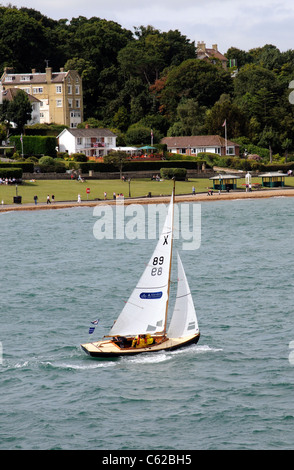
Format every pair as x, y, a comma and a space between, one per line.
66, 190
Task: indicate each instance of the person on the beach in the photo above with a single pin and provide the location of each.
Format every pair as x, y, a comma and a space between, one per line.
48, 199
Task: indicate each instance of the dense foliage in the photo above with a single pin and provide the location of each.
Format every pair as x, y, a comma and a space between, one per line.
148, 79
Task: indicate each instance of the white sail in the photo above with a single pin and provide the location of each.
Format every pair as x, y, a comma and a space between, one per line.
145, 311
184, 320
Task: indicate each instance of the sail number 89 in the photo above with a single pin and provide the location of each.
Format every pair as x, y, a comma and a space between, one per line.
157, 262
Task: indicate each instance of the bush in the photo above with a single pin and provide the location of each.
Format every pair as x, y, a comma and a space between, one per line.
79, 157
48, 164
178, 173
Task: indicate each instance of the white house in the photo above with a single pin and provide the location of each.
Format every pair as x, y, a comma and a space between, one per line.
10, 94
94, 142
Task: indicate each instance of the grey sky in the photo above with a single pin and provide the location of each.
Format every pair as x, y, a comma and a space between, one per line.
243, 24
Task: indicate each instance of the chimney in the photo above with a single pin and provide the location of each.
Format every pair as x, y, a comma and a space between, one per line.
48, 74
201, 46
61, 69
33, 70
214, 47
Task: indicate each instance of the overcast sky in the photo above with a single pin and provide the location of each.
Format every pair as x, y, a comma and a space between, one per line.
240, 23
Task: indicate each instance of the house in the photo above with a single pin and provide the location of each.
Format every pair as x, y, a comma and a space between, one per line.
212, 55
94, 142
192, 145
60, 93
35, 103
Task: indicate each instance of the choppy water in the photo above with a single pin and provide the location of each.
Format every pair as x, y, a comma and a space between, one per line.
234, 390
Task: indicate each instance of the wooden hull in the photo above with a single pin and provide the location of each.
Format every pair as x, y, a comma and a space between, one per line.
109, 348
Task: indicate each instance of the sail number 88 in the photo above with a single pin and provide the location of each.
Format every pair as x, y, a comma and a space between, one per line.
157, 262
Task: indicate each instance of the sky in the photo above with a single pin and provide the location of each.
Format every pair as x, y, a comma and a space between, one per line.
244, 24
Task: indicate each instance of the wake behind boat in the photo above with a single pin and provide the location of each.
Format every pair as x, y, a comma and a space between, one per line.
142, 325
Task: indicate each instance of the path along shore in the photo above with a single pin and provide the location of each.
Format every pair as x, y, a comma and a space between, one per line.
200, 197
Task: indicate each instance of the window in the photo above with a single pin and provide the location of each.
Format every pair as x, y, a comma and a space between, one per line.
37, 90
69, 89
77, 103
230, 151
77, 89
59, 103
79, 140
25, 78
70, 103
58, 89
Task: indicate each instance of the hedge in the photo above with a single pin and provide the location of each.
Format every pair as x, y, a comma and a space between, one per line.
26, 167
139, 166
35, 145
11, 173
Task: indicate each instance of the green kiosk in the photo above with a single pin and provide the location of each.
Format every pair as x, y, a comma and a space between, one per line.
224, 182
273, 180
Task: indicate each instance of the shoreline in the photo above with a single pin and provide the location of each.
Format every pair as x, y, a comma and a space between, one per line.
200, 197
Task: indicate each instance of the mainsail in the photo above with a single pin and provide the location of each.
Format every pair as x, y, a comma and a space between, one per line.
146, 309
184, 319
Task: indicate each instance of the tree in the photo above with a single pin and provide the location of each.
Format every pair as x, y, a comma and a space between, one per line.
23, 40
139, 135
19, 110
286, 145
194, 79
269, 138
190, 119
225, 109
240, 57
118, 159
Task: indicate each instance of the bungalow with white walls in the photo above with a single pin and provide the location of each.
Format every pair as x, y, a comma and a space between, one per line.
192, 145
94, 142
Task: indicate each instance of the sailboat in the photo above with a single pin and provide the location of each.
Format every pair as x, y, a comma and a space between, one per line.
141, 326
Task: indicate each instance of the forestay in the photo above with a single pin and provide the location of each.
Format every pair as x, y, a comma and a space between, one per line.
145, 310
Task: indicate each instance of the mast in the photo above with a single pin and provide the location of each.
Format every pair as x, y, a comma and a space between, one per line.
170, 261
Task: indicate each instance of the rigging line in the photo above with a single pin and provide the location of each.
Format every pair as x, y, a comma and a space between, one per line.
181, 296
155, 287
135, 305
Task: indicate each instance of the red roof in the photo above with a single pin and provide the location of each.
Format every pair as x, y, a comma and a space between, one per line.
196, 141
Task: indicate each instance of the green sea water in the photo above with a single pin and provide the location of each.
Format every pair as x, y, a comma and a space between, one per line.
233, 390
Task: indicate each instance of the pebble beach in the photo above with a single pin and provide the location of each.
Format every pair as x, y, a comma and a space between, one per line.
200, 197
